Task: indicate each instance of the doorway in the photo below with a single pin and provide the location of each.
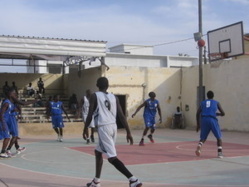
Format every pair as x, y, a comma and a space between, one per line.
122, 101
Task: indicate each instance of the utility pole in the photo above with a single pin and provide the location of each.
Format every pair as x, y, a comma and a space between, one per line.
201, 94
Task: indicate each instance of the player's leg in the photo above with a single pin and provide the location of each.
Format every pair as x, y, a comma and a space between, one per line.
13, 128
5, 143
152, 126
87, 138
217, 133
92, 135
61, 134
11, 143
5, 135
141, 143
205, 130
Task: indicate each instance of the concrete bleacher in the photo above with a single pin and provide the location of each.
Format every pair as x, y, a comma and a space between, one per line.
33, 114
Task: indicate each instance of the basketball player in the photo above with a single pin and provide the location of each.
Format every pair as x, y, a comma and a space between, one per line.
5, 120
14, 131
56, 109
151, 106
209, 122
85, 108
105, 107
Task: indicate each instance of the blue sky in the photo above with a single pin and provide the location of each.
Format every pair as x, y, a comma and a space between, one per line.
148, 22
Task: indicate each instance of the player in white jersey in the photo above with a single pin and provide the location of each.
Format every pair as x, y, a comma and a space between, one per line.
85, 108
105, 107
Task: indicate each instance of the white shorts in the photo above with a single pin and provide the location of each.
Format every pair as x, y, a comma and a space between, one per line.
107, 138
92, 122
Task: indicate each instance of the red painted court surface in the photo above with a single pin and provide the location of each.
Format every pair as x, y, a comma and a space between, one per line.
171, 152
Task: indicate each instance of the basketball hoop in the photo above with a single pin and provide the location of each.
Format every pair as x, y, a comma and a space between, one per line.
218, 56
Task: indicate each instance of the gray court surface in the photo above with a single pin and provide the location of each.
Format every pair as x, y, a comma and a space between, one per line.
49, 163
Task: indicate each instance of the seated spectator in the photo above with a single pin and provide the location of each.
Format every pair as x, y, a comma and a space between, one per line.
30, 90
40, 85
178, 121
38, 102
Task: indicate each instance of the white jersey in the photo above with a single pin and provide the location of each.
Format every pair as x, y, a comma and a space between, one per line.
106, 111
85, 107
85, 110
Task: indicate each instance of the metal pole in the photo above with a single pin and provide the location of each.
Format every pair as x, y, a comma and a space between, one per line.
200, 97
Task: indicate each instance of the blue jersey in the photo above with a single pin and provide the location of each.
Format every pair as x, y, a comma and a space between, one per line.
9, 110
209, 108
7, 120
56, 107
150, 108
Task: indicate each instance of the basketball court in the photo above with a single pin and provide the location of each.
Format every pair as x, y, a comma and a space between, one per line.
170, 161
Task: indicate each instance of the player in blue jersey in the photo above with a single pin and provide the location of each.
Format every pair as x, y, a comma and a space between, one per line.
5, 120
55, 109
151, 106
207, 121
14, 129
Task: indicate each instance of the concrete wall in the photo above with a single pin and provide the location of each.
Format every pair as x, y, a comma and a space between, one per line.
135, 83
79, 81
228, 80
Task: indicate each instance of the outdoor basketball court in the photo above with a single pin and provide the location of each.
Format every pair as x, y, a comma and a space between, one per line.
170, 162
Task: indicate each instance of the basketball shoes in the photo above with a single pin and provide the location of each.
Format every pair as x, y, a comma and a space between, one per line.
93, 184
20, 150
151, 138
198, 151
220, 155
141, 143
135, 183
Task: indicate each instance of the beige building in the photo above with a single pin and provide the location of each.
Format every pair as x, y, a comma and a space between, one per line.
173, 86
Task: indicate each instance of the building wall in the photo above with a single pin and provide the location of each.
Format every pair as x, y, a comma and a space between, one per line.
79, 81
227, 79
135, 83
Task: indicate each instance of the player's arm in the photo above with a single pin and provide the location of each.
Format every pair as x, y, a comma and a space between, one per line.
159, 113
138, 108
198, 115
24, 102
92, 107
221, 113
123, 120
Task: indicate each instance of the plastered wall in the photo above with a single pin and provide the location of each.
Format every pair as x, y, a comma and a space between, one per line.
228, 80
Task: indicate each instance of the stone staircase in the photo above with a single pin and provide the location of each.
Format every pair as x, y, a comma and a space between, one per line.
33, 114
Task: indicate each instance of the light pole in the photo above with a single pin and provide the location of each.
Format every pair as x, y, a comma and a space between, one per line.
200, 90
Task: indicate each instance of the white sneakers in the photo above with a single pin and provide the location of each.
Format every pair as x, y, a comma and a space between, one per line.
135, 183
4, 155
20, 150
93, 184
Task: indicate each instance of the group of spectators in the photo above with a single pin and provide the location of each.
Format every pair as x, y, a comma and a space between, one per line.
30, 89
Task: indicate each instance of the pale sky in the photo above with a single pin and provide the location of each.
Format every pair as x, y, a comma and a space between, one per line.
165, 24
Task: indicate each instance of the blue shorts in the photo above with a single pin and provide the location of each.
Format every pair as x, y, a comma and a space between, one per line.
13, 126
4, 133
150, 122
210, 124
57, 121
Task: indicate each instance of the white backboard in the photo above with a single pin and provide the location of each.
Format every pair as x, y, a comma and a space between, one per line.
228, 40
